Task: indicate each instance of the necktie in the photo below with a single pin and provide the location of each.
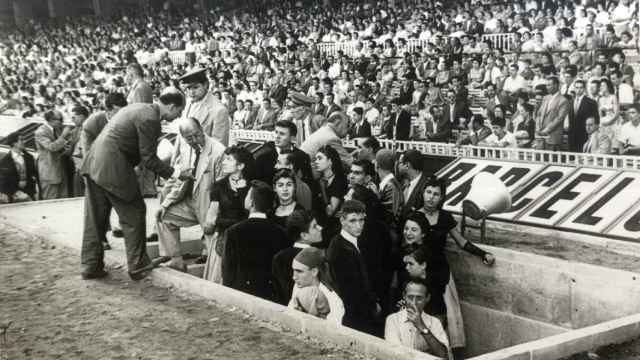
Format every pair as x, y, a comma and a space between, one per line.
195, 163
576, 105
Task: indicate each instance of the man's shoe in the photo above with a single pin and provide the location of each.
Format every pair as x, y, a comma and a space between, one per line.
98, 274
142, 272
201, 260
117, 233
152, 238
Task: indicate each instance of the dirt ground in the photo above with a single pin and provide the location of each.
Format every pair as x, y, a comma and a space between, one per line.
48, 312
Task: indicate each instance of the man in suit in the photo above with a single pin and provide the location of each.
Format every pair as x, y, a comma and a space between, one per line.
186, 203
478, 131
129, 139
267, 157
266, 117
456, 111
410, 166
252, 244
139, 90
52, 143
399, 128
331, 133
441, 131
359, 127
349, 270
203, 106
583, 108
331, 106
390, 189
304, 230
550, 117
18, 170
597, 142
493, 99
318, 108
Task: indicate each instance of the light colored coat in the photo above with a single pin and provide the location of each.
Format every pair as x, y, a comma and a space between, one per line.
140, 93
208, 171
551, 114
212, 115
50, 151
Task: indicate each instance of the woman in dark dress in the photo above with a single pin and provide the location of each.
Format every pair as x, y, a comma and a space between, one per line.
284, 185
440, 224
227, 204
332, 187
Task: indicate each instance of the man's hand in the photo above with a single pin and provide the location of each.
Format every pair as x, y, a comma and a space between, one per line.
160, 214
415, 317
488, 259
209, 227
186, 175
66, 131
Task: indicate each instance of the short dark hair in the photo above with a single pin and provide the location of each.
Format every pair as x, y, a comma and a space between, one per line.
262, 196
372, 142
385, 160
352, 207
417, 281
243, 156
297, 223
136, 68
414, 158
172, 98
496, 121
80, 110
115, 99
367, 167
293, 129
284, 174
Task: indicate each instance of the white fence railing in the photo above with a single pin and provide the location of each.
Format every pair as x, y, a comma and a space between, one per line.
617, 162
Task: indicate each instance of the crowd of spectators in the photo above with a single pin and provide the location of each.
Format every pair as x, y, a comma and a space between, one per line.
315, 74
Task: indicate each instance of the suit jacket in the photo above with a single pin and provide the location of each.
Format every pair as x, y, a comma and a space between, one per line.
265, 120
349, 271
207, 171
325, 135
283, 274
140, 93
331, 109
319, 109
577, 120
267, 156
9, 177
392, 199
400, 124
415, 200
212, 115
443, 131
460, 110
248, 254
551, 114
491, 103
51, 151
91, 128
360, 131
129, 139
597, 143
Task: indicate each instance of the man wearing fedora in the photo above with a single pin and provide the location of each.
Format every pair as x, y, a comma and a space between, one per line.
203, 106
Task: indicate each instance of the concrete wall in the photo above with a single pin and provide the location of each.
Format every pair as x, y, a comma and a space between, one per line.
552, 291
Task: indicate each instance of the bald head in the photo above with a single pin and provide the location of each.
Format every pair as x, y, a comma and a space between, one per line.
191, 131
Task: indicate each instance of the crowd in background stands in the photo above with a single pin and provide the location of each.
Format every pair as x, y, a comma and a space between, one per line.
255, 56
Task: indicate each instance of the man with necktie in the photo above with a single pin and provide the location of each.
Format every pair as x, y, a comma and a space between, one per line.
187, 203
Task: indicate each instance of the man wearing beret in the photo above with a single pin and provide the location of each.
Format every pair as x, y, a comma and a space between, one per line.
203, 106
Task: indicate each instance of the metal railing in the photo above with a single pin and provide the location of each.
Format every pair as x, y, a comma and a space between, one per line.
616, 162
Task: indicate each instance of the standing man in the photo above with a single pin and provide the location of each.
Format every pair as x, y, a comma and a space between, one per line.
629, 137
129, 139
78, 115
52, 142
391, 195
550, 117
203, 106
266, 158
410, 166
252, 244
359, 127
139, 91
266, 117
349, 271
583, 109
186, 203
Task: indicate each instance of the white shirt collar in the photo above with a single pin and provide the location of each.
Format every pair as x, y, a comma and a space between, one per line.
350, 238
257, 215
385, 181
300, 245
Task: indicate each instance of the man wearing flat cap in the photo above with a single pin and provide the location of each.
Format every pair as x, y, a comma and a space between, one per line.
203, 106
301, 114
